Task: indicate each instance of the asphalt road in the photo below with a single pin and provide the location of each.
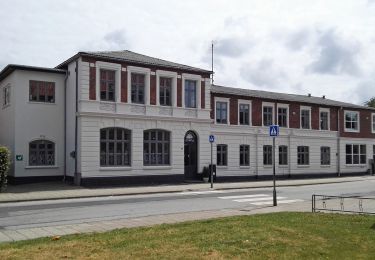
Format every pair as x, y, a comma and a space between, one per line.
21, 215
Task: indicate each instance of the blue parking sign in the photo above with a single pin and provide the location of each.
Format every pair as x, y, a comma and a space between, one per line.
211, 138
274, 130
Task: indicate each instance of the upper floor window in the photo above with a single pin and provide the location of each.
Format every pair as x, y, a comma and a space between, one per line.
267, 115
6, 95
303, 155
373, 123
244, 112
305, 118
190, 93
355, 154
41, 153
267, 154
324, 120
156, 147
107, 85
165, 91
115, 148
138, 88
244, 155
283, 155
222, 155
282, 116
352, 121
221, 112
42, 91
325, 155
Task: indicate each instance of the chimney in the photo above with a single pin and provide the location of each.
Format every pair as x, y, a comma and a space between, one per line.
309, 95
324, 97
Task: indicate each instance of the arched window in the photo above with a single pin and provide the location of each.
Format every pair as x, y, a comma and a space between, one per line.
41, 152
156, 147
115, 147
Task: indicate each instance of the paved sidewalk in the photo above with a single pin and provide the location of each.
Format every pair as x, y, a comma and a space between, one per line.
59, 190
8, 235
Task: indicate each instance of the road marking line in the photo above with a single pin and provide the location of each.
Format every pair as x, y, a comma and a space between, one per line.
200, 192
257, 199
243, 196
271, 202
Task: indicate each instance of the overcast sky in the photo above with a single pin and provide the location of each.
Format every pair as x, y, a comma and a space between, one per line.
323, 47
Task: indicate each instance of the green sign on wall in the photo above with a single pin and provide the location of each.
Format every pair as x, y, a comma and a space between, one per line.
19, 157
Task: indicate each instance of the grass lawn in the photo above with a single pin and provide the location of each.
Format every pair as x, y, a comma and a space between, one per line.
275, 236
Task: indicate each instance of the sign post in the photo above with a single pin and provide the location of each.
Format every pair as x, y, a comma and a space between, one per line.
212, 140
274, 132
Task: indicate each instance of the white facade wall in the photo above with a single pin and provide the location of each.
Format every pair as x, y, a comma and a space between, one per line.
7, 118
37, 120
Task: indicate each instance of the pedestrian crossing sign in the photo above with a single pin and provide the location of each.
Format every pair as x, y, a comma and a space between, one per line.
274, 130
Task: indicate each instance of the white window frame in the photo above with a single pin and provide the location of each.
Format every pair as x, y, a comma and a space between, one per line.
349, 129
147, 73
225, 100
166, 74
6, 98
300, 117
323, 109
287, 113
268, 104
359, 154
372, 123
245, 102
108, 66
198, 79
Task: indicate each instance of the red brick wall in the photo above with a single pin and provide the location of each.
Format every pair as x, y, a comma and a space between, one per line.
92, 83
179, 92
315, 122
153, 89
294, 115
233, 111
256, 112
203, 91
124, 86
333, 119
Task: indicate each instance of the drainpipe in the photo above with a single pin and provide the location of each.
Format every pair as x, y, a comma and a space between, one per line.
256, 153
65, 87
76, 181
338, 142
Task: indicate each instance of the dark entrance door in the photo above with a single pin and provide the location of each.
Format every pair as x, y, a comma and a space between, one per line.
191, 155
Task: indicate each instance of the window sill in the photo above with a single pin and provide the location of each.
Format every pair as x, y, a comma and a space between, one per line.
157, 167
325, 166
268, 166
129, 168
351, 130
42, 167
303, 166
45, 103
245, 167
221, 166
355, 165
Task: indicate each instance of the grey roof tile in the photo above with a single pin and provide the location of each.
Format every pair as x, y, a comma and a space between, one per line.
285, 97
129, 56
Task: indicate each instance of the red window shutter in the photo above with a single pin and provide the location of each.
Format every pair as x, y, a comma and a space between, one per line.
203, 95
124, 86
92, 87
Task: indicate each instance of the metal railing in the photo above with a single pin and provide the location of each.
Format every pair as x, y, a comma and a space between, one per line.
348, 204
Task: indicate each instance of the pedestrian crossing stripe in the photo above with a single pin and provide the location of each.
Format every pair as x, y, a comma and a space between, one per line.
279, 202
259, 199
243, 196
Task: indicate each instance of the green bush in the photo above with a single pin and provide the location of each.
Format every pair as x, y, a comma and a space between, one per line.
4, 167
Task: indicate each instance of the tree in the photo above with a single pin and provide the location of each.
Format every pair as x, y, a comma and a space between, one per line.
370, 102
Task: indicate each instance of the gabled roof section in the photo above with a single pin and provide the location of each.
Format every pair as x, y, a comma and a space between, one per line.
284, 97
12, 67
135, 58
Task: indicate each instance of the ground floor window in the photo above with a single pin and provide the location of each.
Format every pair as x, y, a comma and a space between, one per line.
303, 155
267, 154
156, 147
41, 153
222, 153
325, 155
355, 154
283, 155
244, 155
115, 148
